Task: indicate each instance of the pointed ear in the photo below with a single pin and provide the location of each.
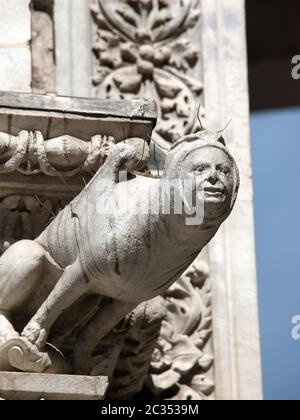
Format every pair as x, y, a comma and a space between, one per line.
199, 118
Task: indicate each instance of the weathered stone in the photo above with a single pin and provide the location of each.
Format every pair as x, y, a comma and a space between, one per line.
150, 47
73, 47
147, 48
15, 64
15, 34
43, 54
130, 60
121, 254
15, 28
29, 386
232, 253
42, 168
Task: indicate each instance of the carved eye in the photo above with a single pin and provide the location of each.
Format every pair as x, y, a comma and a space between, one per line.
200, 169
224, 170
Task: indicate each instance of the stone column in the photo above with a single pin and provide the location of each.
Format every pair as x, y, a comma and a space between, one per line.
15, 55
72, 44
232, 254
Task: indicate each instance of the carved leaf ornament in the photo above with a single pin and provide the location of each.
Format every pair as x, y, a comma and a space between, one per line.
141, 50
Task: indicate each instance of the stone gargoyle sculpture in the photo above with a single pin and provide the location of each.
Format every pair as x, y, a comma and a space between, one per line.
99, 258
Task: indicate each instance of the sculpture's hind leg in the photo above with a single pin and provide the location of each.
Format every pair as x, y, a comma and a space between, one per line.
98, 327
21, 267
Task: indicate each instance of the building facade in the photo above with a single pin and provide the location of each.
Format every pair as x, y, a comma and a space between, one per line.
204, 344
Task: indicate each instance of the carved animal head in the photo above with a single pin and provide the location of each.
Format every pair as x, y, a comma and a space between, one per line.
203, 162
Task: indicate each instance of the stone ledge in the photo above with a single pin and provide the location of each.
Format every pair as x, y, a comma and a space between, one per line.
31, 386
135, 109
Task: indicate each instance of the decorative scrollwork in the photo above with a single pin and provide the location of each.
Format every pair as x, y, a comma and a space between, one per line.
183, 360
143, 48
29, 153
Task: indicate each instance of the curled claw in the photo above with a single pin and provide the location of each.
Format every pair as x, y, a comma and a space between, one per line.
35, 334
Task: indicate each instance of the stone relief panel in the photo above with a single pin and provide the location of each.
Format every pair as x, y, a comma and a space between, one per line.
182, 363
146, 48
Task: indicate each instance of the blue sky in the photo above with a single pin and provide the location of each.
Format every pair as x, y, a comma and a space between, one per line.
275, 142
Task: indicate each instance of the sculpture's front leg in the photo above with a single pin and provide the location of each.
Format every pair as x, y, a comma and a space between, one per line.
69, 288
36, 333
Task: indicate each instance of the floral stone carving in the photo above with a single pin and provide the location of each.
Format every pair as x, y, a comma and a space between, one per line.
182, 362
144, 48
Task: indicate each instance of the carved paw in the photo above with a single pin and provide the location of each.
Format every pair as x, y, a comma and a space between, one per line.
125, 153
35, 334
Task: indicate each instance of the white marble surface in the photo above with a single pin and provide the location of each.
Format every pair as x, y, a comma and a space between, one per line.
73, 35
15, 56
15, 22
232, 253
29, 386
